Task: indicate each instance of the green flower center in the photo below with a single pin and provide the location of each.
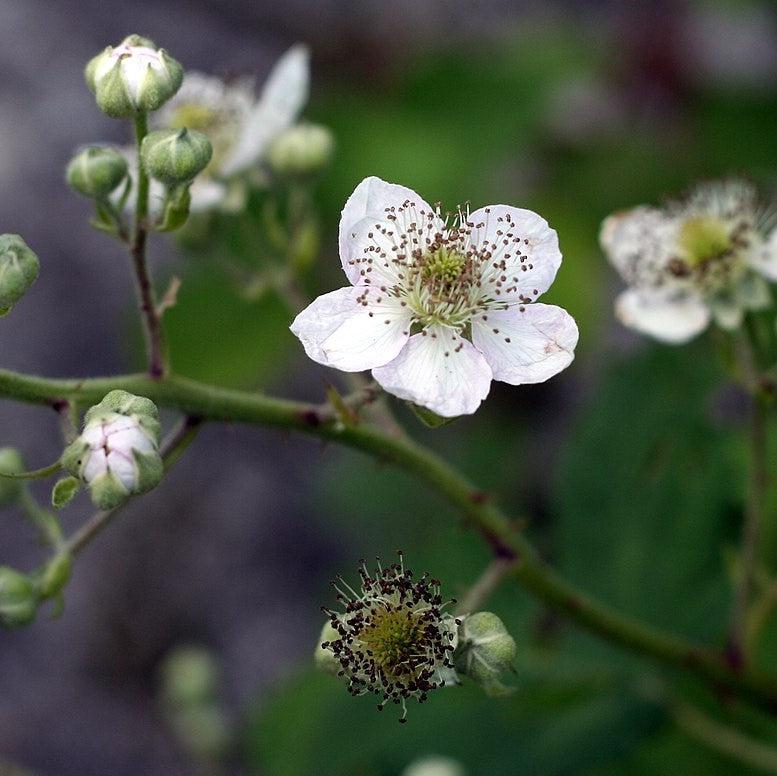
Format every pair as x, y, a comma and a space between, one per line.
191, 115
444, 266
393, 637
704, 238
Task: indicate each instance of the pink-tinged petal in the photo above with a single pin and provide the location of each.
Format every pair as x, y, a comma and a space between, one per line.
526, 344
373, 200
525, 256
674, 320
440, 371
349, 329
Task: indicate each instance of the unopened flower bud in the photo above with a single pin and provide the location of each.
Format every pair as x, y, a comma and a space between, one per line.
96, 171
485, 651
19, 268
434, 765
133, 77
301, 150
189, 676
117, 454
10, 489
18, 599
175, 156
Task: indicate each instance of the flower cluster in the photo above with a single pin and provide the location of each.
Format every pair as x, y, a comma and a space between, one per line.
117, 454
706, 257
393, 639
438, 307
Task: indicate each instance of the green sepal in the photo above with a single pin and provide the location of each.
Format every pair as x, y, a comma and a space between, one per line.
150, 470
64, 491
429, 418
72, 457
107, 491
485, 651
55, 575
176, 210
324, 659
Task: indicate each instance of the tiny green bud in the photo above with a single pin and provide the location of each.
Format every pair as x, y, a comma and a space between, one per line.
485, 651
96, 171
133, 77
175, 156
19, 268
324, 659
11, 463
301, 150
117, 454
18, 599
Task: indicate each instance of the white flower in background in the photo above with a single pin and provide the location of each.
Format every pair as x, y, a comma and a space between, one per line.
435, 765
240, 126
702, 258
117, 454
437, 308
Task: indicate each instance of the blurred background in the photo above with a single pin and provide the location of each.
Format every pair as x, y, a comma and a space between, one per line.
628, 467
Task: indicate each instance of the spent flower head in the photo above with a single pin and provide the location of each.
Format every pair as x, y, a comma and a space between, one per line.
117, 454
439, 306
393, 637
132, 78
705, 257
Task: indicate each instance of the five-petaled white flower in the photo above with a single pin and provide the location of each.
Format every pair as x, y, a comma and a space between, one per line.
437, 307
705, 257
240, 126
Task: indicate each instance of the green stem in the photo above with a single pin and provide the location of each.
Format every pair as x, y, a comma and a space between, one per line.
152, 324
220, 404
35, 474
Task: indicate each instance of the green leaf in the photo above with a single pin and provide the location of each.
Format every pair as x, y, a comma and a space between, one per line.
64, 491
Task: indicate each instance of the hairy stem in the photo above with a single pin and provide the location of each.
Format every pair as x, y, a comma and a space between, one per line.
219, 404
152, 325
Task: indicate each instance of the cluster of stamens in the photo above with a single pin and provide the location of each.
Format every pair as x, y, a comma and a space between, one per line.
394, 639
445, 271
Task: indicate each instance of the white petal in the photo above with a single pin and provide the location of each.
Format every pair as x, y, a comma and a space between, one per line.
526, 344
526, 256
669, 319
753, 292
370, 200
130, 439
338, 330
94, 465
726, 313
764, 257
124, 467
206, 194
284, 95
438, 370
638, 242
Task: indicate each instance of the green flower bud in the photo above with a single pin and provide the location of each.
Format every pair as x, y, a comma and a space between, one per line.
301, 150
117, 454
11, 463
175, 156
189, 676
18, 599
134, 77
96, 171
19, 268
325, 659
485, 651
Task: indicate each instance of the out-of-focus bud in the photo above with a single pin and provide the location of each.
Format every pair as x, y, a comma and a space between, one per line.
96, 171
301, 150
133, 77
55, 575
435, 765
325, 659
175, 156
189, 675
10, 489
117, 454
19, 269
18, 599
485, 651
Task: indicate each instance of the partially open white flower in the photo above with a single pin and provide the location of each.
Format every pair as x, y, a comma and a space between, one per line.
701, 258
117, 454
437, 308
240, 126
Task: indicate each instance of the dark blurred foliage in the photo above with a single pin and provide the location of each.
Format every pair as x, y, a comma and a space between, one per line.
628, 467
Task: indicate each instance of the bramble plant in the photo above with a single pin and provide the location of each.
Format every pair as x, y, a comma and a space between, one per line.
438, 305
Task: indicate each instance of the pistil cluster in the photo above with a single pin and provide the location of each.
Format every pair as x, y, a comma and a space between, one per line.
393, 637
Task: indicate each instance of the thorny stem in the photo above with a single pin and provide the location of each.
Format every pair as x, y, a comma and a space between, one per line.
152, 324
171, 450
221, 404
